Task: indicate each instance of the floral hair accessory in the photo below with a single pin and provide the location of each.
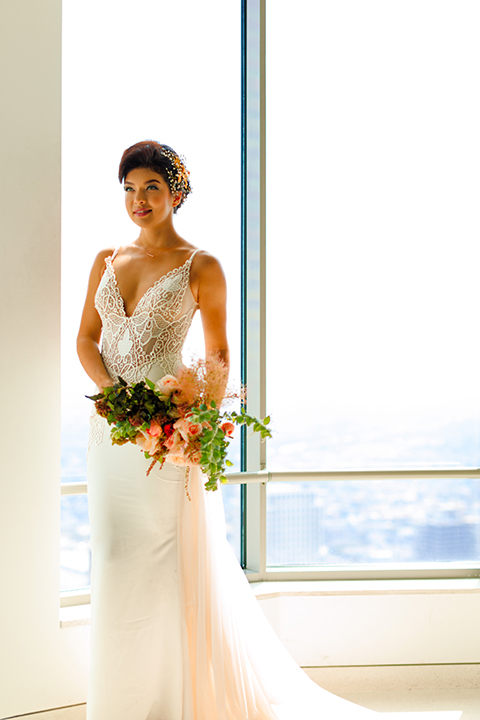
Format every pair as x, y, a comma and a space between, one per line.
178, 179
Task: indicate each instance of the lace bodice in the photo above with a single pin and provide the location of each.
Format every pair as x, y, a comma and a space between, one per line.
149, 342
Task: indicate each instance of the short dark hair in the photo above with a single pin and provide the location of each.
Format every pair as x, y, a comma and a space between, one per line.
163, 160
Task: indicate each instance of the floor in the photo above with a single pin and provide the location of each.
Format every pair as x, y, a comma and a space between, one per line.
397, 692
414, 704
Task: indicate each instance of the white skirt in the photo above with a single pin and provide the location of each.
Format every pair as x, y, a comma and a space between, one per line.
177, 633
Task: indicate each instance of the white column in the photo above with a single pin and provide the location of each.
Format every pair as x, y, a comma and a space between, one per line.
41, 666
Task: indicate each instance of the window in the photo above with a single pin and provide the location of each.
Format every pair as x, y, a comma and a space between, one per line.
359, 256
372, 245
146, 74
371, 295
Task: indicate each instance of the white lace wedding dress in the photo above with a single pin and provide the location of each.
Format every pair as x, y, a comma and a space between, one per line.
177, 633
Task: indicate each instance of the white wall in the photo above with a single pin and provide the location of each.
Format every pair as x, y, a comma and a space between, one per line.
40, 665
421, 622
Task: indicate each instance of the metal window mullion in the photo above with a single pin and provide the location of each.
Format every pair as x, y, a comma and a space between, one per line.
253, 273
418, 571
73, 488
264, 476
367, 571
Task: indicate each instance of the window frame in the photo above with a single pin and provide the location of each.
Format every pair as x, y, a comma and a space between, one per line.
254, 475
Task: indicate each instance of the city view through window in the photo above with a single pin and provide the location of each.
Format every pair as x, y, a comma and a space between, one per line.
372, 255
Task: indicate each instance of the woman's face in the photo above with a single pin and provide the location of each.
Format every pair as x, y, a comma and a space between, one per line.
148, 199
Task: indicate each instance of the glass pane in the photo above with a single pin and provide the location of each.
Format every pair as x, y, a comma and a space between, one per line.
373, 225
372, 521
185, 92
75, 558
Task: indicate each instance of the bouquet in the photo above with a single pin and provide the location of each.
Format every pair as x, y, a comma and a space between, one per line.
177, 419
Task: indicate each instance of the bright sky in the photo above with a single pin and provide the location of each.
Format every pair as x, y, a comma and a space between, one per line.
373, 195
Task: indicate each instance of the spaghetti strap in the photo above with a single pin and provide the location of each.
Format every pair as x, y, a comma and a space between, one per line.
193, 255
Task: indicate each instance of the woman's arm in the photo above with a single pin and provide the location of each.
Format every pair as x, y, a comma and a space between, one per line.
91, 328
212, 300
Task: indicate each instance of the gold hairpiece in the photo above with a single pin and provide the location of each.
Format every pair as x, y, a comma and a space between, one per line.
178, 179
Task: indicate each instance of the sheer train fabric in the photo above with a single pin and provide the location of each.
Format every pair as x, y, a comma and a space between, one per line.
239, 667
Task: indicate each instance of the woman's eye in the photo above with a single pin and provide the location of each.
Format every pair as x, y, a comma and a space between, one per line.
155, 187
128, 188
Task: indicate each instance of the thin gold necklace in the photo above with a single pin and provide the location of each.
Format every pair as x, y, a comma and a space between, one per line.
161, 250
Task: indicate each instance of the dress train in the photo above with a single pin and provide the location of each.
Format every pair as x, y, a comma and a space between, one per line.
239, 668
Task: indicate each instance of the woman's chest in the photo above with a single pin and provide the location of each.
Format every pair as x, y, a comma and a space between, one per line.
166, 297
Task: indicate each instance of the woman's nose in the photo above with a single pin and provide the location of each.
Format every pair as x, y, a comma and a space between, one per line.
139, 197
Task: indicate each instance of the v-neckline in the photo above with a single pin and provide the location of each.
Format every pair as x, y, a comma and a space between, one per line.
149, 289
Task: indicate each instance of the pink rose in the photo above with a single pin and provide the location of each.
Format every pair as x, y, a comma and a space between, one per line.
155, 429
228, 428
167, 385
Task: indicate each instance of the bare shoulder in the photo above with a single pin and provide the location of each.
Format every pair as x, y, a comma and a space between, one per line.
207, 279
204, 264
99, 262
98, 267
104, 254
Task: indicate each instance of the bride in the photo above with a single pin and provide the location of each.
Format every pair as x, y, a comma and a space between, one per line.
177, 633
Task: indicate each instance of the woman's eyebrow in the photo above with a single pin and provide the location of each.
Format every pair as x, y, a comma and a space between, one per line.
147, 182
129, 182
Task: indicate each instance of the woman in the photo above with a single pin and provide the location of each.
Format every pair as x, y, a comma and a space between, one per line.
176, 632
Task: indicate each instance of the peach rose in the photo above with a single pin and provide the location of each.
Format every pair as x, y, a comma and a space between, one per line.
167, 385
148, 443
176, 459
228, 428
175, 443
195, 457
187, 429
194, 429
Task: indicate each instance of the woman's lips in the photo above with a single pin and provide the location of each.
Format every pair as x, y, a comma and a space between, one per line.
141, 213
